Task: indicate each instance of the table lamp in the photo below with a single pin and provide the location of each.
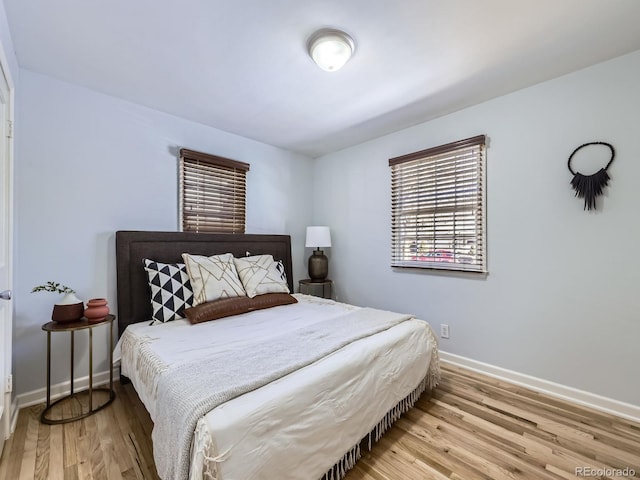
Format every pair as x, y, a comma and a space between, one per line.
318, 237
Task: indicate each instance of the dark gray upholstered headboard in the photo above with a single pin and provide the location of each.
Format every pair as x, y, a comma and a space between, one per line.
134, 295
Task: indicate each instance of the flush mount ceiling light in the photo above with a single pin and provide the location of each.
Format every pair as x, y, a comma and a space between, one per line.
330, 48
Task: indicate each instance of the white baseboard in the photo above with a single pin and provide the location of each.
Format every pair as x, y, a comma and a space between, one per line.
580, 397
40, 395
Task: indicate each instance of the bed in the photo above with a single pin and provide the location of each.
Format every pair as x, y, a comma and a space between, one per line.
304, 418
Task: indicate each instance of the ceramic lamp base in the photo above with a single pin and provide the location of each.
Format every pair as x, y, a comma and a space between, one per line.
318, 266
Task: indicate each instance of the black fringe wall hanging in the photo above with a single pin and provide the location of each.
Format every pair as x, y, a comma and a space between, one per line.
590, 186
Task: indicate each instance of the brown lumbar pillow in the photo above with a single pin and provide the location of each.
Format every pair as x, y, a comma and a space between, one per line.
226, 307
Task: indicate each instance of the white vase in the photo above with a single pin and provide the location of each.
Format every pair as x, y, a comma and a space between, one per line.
69, 299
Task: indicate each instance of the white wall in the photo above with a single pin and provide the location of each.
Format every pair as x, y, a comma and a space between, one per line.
6, 45
561, 301
91, 164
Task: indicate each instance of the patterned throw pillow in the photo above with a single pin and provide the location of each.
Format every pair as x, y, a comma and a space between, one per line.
170, 290
213, 277
260, 274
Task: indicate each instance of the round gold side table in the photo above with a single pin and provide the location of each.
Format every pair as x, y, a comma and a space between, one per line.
72, 327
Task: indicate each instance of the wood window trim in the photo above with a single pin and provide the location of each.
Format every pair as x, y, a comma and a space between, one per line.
185, 153
449, 147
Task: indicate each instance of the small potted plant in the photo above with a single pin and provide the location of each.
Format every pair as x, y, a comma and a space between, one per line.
69, 309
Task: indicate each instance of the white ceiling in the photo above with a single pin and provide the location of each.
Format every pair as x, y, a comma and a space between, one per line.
242, 65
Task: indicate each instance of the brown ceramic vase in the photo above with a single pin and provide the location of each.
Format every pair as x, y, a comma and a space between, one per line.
67, 313
96, 310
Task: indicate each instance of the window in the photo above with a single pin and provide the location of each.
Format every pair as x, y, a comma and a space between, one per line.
438, 214
212, 193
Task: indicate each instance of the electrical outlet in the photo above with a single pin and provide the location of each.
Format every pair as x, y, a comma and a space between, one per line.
444, 330
9, 386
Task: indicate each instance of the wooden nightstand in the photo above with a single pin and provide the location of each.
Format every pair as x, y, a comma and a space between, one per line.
323, 289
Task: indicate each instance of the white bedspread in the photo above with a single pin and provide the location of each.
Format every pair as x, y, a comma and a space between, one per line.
301, 424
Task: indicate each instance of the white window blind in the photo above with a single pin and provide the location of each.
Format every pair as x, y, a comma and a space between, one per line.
438, 207
212, 193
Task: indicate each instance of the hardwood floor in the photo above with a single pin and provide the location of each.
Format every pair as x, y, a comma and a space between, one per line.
114, 443
472, 427
476, 427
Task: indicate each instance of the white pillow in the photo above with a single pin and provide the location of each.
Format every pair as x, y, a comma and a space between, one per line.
213, 277
260, 274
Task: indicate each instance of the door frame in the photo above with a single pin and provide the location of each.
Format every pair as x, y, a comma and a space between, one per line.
8, 425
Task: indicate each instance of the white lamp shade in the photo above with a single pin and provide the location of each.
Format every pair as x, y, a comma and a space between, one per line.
330, 49
318, 237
